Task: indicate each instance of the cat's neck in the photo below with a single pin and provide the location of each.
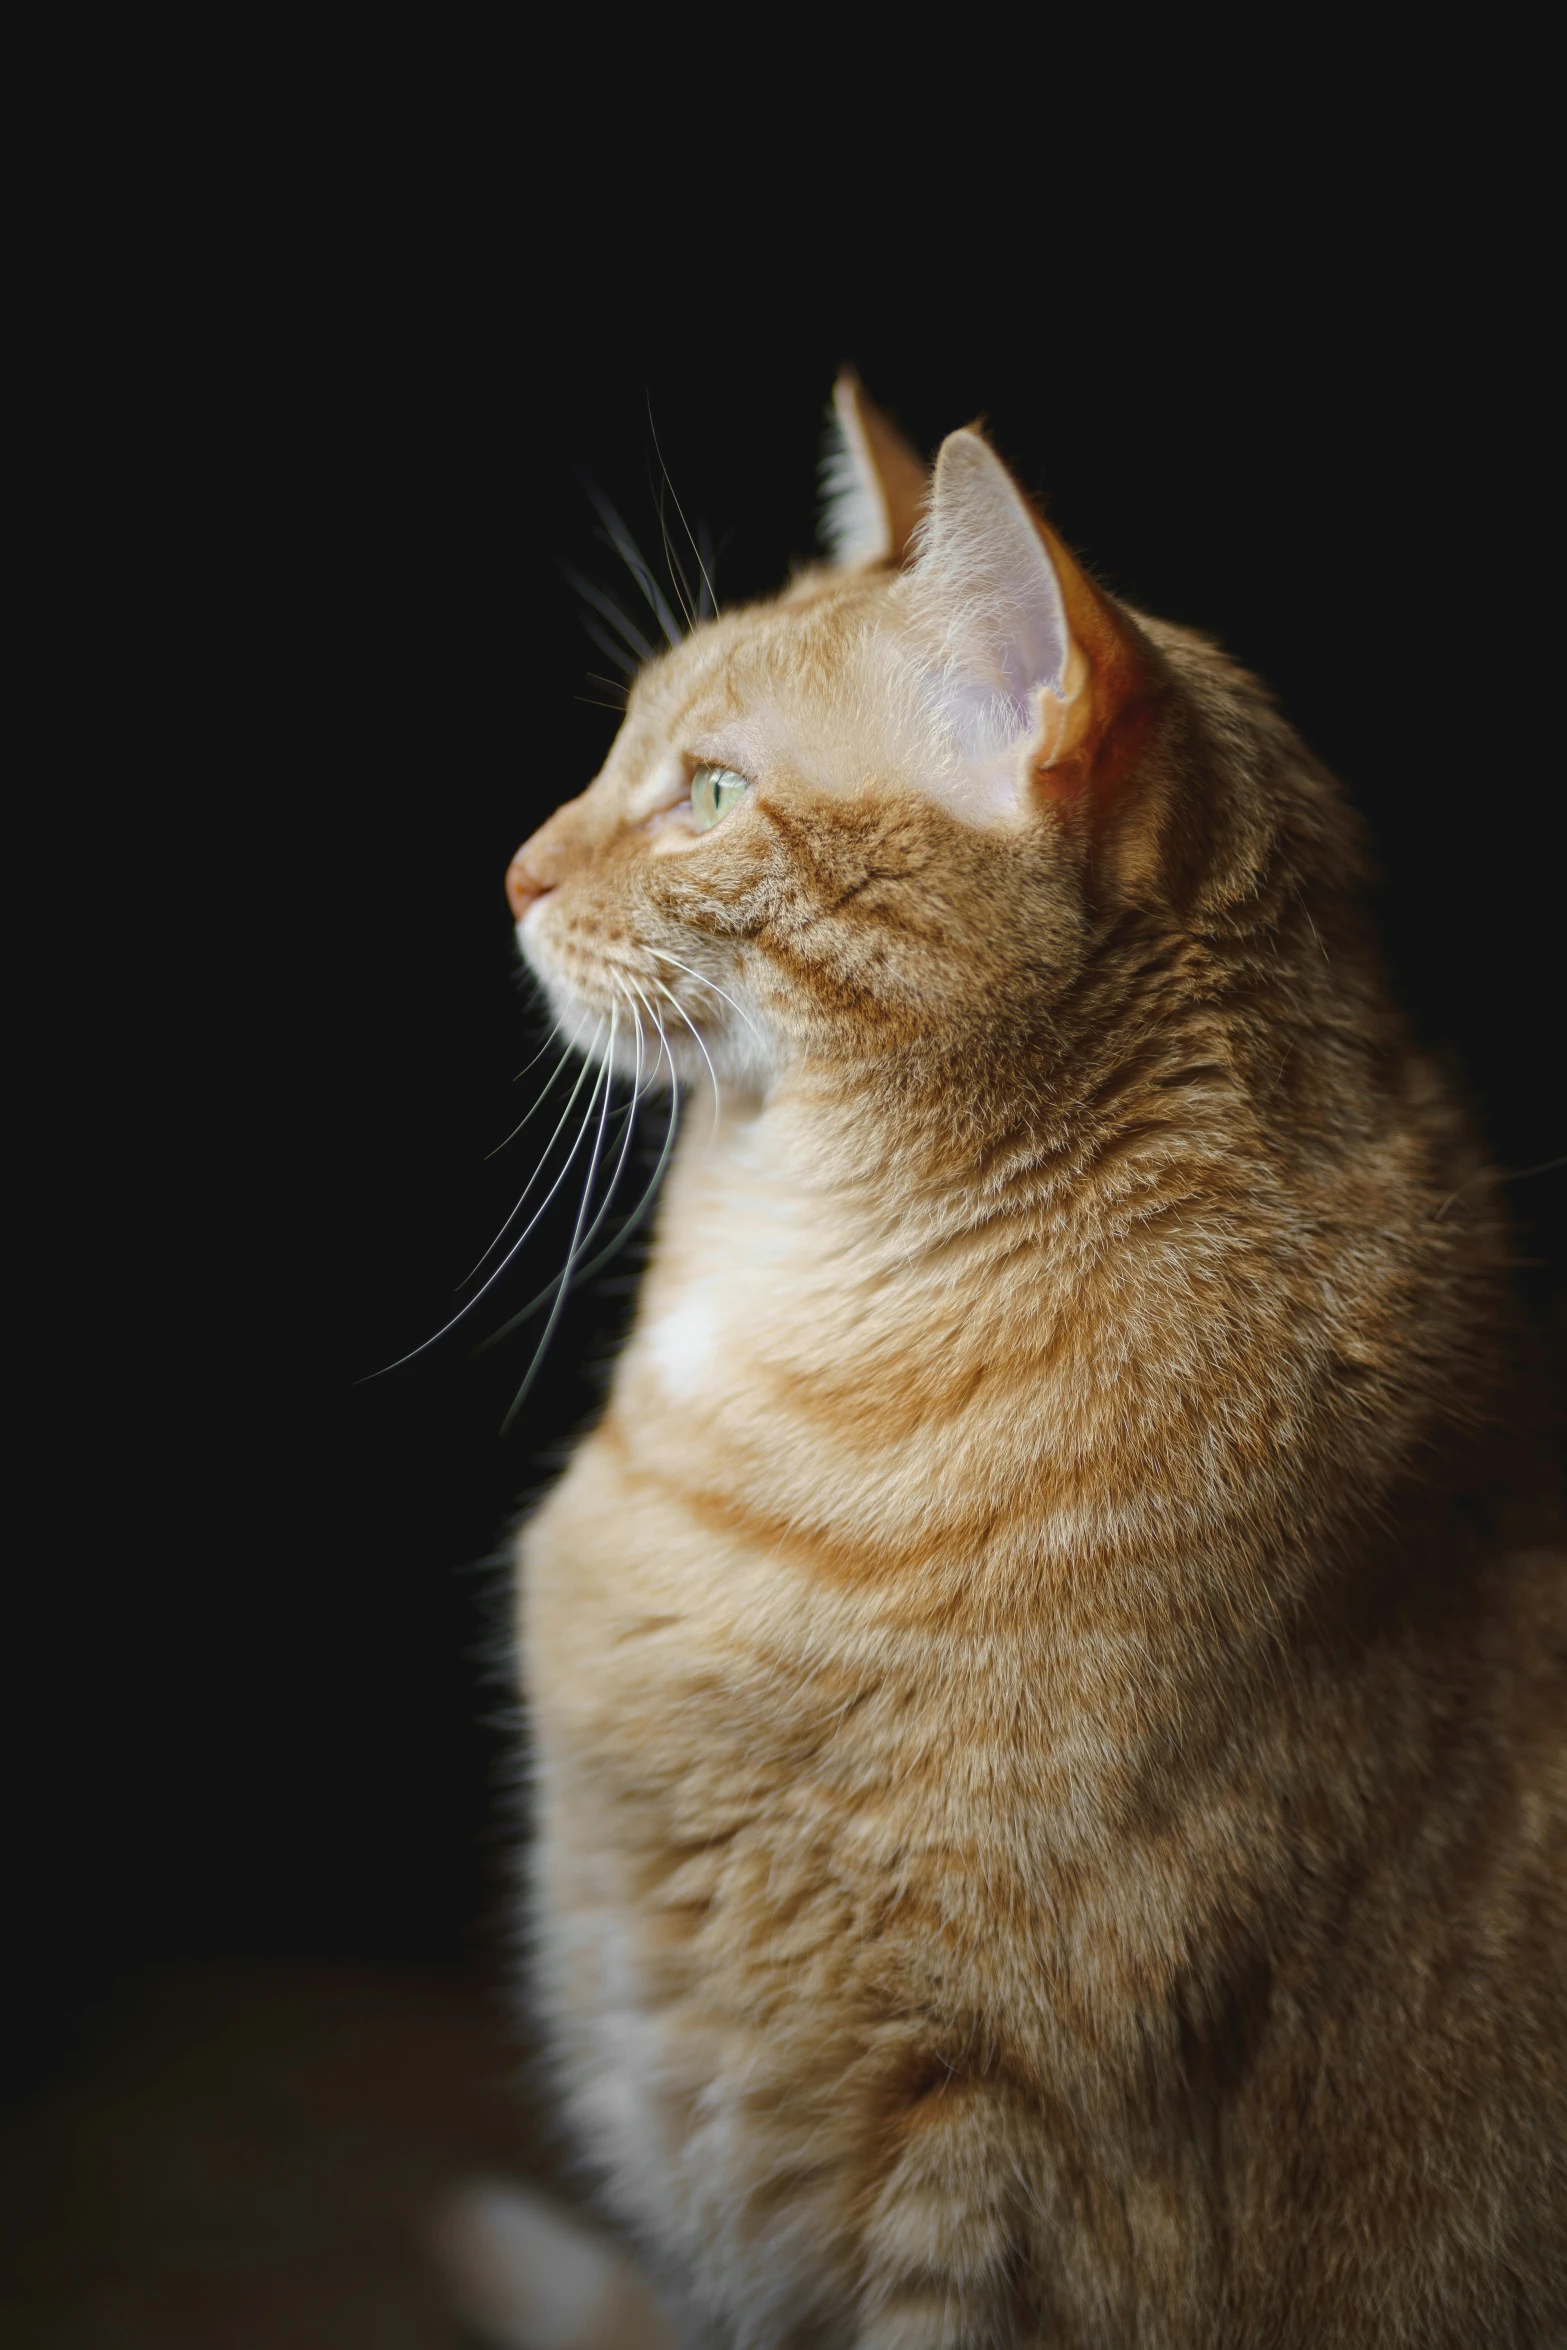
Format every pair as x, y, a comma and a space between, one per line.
1042, 1292
914, 1148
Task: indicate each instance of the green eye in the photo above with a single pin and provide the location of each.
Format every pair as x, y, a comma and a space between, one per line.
714, 791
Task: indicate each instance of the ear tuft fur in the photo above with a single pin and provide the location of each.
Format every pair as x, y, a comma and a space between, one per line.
873, 485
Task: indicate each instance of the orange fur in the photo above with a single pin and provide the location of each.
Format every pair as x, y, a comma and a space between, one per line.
1047, 1676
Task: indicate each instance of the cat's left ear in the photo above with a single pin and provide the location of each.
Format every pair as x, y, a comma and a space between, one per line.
873, 486
1046, 683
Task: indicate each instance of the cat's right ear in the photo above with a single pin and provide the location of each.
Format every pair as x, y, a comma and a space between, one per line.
1046, 685
873, 486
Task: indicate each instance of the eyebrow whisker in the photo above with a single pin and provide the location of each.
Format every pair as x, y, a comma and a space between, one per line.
676, 576
625, 546
612, 652
707, 584
609, 610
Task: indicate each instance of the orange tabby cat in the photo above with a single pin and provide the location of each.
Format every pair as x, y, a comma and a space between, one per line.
1050, 1765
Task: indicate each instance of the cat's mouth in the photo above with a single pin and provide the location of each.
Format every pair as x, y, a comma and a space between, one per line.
653, 1015
578, 975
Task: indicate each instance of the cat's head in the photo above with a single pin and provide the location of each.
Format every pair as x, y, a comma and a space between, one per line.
886, 811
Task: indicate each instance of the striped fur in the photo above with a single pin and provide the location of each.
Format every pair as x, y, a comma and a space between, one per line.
1048, 1689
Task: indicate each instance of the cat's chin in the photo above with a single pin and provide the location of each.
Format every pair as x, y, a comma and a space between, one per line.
603, 1028
650, 1040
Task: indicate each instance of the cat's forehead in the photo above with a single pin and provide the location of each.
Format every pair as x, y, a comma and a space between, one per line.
796, 662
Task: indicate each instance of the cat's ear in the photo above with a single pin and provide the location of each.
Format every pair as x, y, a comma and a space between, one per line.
1041, 676
873, 486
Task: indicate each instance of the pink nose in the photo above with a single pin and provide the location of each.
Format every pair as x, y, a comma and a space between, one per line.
522, 885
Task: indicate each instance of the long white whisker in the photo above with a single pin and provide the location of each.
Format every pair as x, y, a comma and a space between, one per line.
576, 1237
571, 1046
651, 1193
713, 986
622, 987
569, 1269
636, 1217
596, 1226
625, 1143
486, 1286
544, 1154
552, 1038
700, 1046
658, 1027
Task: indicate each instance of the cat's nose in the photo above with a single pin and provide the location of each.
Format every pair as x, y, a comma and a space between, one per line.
522, 884
545, 859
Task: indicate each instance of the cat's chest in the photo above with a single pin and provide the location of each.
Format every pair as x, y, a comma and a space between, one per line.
767, 1278
813, 1397
725, 1471
817, 1449
742, 1285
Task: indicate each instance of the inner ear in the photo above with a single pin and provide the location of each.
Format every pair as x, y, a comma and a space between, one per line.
1040, 675
873, 485
986, 557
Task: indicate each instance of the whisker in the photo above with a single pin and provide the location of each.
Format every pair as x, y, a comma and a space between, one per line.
606, 645
632, 1223
630, 1115
707, 564
707, 584
652, 592
571, 1046
569, 1269
1498, 1175
554, 1033
700, 1046
576, 1237
636, 1014
702, 978
543, 1160
625, 546
609, 610
486, 1286
658, 1028
677, 577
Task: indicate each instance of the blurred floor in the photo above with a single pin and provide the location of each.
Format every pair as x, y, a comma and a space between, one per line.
247, 2158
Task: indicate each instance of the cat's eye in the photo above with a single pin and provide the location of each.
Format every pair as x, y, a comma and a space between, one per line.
714, 791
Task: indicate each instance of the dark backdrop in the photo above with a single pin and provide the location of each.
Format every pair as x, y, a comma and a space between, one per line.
269, 1718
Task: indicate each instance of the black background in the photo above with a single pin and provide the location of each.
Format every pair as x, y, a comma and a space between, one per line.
266, 1682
